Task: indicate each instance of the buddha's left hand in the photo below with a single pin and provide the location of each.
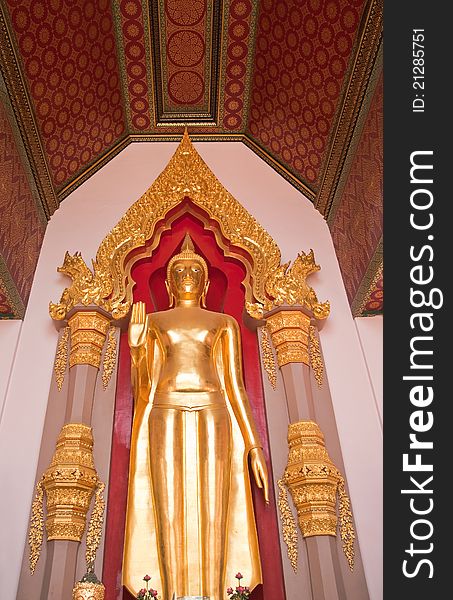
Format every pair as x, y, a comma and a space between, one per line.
259, 469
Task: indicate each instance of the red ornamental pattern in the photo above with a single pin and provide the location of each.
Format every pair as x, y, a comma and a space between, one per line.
185, 51
376, 299
132, 29
6, 310
357, 226
301, 57
69, 56
21, 231
236, 64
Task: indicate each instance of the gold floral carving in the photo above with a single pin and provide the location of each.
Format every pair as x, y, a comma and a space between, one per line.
314, 483
108, 364
61, 358
347, 533
314, 353
268, 357
88, 588
95, 526
289, 334
88, 333
187, 176
69, 483
288, 524
35, 533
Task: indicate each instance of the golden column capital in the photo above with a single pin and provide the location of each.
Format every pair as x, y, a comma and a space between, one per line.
88, 329
314, 482
289, 330
69, 483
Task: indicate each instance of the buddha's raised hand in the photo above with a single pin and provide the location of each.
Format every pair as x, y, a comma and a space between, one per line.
138, 325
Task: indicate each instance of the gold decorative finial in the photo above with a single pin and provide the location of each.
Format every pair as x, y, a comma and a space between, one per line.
187, 245
188, 253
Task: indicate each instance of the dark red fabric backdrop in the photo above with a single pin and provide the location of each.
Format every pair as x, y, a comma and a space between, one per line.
226, 294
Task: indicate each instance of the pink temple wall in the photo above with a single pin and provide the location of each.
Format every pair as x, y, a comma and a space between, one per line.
80, 224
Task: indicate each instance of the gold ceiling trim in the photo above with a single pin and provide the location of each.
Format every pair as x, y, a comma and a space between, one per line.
188, 176
373, 273
8, 287
94, 167
369, 37
356, 137
299, 184
22, 107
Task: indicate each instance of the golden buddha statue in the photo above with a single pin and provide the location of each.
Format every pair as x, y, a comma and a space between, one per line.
190, 520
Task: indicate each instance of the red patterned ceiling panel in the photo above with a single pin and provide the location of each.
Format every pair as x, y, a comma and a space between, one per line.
138, 79
184, 70
69, 57
238, 55
357, 225
375, 301
301, 57
21, 231
186, 36
6, 309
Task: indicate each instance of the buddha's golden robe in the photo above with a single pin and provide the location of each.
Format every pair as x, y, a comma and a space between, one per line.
190, 508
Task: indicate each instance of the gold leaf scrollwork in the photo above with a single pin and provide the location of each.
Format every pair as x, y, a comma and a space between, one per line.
347, 533
61, 358
314, 352
35, 534
289, 529
95, 526
268, 357
109, 361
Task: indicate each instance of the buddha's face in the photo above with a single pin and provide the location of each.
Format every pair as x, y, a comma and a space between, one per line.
187, 280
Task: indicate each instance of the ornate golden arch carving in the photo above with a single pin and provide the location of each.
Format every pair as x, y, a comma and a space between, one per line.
188, 176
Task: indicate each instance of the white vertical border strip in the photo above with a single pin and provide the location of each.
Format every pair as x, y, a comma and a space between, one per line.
9, 338
370, 330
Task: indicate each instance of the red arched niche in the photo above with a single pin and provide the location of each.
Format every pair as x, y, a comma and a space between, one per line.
226, 294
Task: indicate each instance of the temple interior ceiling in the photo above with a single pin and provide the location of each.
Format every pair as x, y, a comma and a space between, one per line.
298, 82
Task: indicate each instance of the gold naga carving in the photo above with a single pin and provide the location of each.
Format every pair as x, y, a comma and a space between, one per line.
288, 285
314, 483
187, 176
69, 484
86, 288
